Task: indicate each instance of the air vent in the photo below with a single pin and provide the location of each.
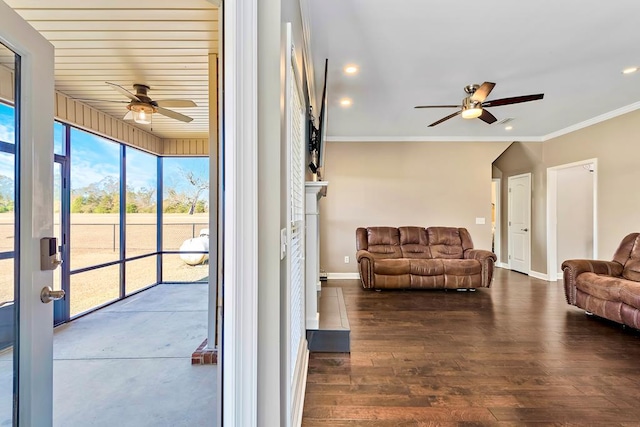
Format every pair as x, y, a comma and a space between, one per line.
503, 121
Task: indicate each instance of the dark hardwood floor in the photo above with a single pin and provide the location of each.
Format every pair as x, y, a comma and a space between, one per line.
515, 354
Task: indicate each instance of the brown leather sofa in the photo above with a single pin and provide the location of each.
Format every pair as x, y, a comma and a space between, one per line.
421, 258
609, 289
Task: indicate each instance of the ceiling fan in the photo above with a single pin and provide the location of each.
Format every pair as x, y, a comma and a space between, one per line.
473, 106
141, 106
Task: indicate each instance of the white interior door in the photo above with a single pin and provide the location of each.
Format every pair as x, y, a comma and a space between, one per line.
28, 360
519, 222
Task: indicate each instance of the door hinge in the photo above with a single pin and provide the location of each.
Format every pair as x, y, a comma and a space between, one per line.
509, 189
509, 223
509, 256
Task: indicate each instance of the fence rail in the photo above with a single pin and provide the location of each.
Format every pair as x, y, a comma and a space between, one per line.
139, 236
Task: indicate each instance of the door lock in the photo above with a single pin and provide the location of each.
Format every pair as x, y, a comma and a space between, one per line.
525, 229
47, 294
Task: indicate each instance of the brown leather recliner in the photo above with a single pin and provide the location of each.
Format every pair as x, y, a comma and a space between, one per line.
421, 258
609, 289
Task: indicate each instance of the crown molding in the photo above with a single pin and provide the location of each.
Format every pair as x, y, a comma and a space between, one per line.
433, 139
593, 121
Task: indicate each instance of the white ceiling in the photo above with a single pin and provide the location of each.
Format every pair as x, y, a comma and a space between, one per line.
161, 43
417, 52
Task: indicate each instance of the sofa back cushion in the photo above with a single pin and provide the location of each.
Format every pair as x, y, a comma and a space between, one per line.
448, 242
628, 254
382, 242
414, 242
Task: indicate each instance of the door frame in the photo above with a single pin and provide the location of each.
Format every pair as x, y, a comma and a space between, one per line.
497, 236
509, 242
34, 348
552, 214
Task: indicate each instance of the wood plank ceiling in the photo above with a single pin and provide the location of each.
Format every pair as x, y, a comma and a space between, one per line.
163, 44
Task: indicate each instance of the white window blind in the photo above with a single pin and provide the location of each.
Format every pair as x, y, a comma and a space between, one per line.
296, 243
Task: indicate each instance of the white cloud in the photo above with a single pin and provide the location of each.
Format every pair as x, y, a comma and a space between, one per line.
6, 133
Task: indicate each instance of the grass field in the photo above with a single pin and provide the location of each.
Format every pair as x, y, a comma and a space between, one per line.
94, 239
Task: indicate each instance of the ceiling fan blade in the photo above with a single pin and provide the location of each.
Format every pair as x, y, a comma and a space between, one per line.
176, 103
487, 117
437, 106
174, 115
123, 91
483, 91
445, 118
514, 100
99, 100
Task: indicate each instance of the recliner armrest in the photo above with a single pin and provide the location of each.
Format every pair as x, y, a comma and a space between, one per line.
365, 268
572, 268
479, 254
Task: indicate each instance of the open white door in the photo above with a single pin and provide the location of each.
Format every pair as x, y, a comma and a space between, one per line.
26, 362
519, 222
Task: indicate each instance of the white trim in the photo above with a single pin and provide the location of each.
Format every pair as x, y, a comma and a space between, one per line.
497, 237
503, 265
595, 120
552, 213
35, 161
342, 276
299, 385
497, 138
440, 138
538, 275
239, 355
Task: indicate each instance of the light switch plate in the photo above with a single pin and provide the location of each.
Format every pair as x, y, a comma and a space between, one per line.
479, 220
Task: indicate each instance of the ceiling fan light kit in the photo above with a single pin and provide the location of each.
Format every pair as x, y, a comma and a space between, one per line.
471, 109
473, 106
141, 112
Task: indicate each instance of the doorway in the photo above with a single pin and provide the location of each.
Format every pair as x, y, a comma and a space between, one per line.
519, 223
571, 214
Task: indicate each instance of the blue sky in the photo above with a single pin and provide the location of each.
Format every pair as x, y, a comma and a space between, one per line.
94, 158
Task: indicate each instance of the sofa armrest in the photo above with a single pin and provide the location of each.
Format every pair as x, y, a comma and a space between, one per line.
487, 260
479, 254
572, 268
365, 268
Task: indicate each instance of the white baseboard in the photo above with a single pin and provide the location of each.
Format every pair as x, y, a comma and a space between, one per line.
538, 275
342, 276
502, 265
300, 384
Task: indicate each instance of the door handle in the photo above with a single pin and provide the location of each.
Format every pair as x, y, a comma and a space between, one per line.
524, 229
47, 294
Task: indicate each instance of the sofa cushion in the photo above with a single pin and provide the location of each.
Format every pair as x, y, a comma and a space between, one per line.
632, 269
627, 248
445, 242
630, 293
426, 267
461, 267
414, 242
384, 242
602, 287
392, 266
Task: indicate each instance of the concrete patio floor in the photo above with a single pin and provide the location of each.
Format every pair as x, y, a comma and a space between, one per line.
129, 364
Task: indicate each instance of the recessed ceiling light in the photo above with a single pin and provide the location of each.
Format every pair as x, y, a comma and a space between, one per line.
345, 102
508, 127
629, 70
350, 69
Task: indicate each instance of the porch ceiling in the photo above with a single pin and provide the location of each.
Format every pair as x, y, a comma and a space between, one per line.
161, 43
